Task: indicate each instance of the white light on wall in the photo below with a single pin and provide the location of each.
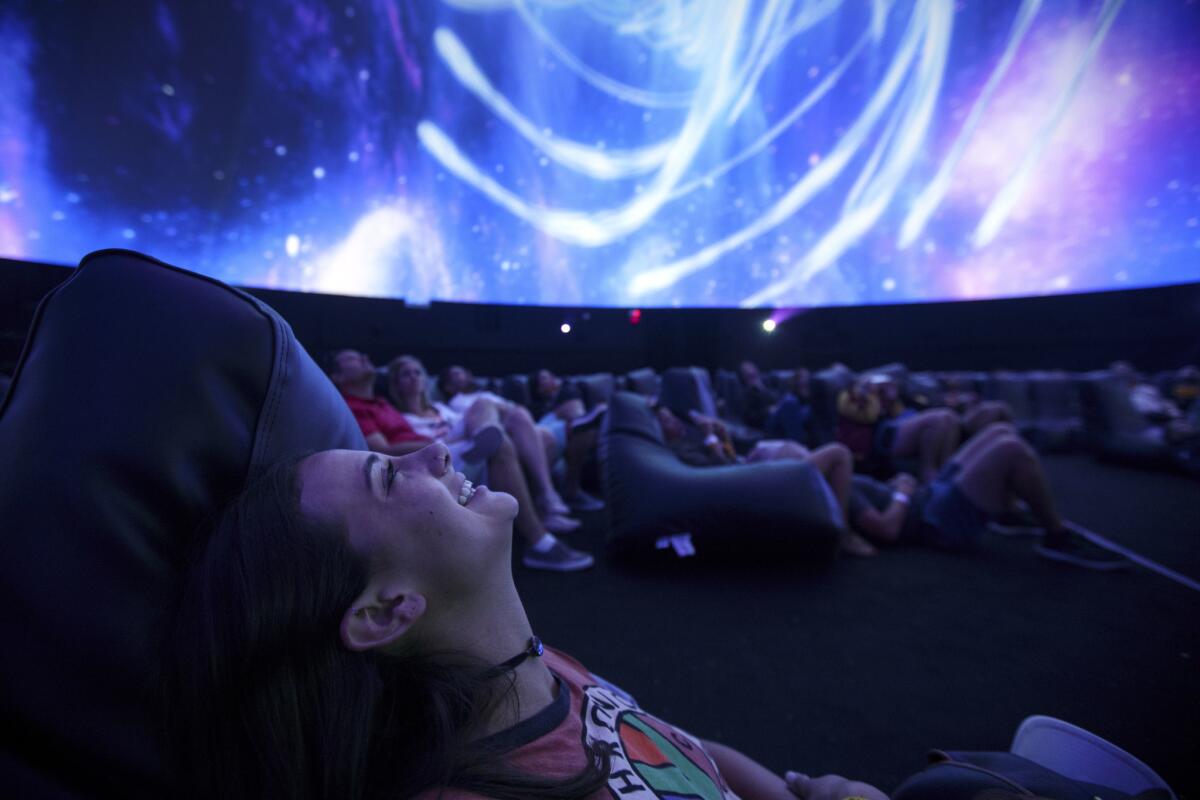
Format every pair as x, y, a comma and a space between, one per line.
565, 327
768, 325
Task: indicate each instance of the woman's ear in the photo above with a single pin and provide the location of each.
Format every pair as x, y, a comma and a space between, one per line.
378, 620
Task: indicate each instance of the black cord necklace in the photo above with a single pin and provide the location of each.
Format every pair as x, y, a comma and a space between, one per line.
534, 650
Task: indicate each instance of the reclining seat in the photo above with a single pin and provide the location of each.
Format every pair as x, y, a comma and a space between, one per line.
1012, 389
1056, 410
189, 386
776, 508
644, 381
825, 387
687, 389
1112, 425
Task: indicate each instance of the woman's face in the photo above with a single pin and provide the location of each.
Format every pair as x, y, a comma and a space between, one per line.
408, 378
410, 516
547, 383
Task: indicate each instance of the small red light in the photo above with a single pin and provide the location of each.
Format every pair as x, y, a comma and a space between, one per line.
635, 316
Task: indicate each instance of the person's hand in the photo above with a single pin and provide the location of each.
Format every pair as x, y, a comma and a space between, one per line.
903, 482
830, 787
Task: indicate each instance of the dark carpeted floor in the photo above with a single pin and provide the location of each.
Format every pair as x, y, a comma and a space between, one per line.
861, 666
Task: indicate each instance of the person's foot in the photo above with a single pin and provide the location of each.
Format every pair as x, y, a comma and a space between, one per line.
560, 523
484, 443
854, 545
582, 501
1071, 548
557, 558
551, 504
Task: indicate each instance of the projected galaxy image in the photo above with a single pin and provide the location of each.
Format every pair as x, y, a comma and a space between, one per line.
611, 152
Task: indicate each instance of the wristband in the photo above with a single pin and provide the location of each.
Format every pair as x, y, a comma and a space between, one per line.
900, 497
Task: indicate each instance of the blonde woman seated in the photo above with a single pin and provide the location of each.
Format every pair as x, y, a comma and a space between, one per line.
477, 436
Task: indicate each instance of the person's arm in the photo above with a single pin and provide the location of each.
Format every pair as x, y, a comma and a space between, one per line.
748, 779
752, 781
379, 444
884, 524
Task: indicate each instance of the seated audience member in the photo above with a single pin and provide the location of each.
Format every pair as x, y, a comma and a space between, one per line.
1146, 397
457, 386
410, 668
792, 417
471, 436
706, 442
979, 483
877, 427
759, 400
385, 429
558, 406
1185, 388
388, 431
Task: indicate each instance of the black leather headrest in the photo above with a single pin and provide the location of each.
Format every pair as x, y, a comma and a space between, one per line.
687, 389
643, 381
188, 386
630, 413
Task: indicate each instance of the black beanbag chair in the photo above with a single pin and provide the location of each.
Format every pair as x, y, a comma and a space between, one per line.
776, 508
144, 398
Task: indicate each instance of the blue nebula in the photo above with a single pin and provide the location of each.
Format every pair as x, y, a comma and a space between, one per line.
603, 152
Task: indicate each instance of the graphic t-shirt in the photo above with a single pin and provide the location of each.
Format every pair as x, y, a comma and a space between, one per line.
437, 427
651, 760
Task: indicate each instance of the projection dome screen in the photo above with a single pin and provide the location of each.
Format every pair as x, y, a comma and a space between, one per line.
612, 152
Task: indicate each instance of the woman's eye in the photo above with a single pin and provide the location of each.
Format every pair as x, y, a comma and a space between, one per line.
391, 474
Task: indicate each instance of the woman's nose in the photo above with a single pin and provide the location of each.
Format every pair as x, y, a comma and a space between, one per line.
436, 458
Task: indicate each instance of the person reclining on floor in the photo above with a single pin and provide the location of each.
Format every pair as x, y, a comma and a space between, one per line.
457, 386
558, 406
389, 431
390, 655
878, 429
978, 484
705, 441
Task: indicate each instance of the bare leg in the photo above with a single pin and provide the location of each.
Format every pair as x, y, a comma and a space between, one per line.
1005, 468
925, 436
983, 440
983, 415
505, 475
482, 412
549, 446
528, 441
835, 462
578, 446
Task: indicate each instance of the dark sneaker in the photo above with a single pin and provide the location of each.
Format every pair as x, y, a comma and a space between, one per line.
484, 443
1007, 528
558, 558
582, 501
557, 523
1071, 548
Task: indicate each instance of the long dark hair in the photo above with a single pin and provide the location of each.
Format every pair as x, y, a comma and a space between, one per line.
264, 700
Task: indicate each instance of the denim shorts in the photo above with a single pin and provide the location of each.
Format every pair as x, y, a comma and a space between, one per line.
944, 516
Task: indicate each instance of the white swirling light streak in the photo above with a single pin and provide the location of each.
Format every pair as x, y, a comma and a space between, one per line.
730, 49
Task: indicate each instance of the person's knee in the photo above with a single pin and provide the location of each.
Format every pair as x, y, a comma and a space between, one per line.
840, 454
1001, 429
1012, 449
507, 451
482, 405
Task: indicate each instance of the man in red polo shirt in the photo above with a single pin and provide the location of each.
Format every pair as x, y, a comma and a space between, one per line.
386, 430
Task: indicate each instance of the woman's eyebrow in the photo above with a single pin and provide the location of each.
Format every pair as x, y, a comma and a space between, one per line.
371, 459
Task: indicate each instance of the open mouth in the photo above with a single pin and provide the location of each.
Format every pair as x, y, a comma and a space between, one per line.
466, 492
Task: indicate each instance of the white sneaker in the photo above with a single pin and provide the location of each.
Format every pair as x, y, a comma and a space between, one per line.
559, 558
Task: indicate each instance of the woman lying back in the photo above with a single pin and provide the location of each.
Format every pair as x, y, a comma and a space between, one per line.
352, 630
